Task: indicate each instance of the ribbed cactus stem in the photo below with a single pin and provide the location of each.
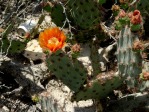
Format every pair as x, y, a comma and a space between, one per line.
48, 104
129, 61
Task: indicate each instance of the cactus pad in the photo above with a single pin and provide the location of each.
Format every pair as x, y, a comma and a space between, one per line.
143, 6
70, 72
57, 15
86, 13
12, 46
98, 88
9, 46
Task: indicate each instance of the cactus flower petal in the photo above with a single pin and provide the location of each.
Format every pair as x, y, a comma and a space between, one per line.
52, 39
136, 17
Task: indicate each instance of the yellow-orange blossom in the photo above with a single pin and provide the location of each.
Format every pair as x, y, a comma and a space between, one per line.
52, 39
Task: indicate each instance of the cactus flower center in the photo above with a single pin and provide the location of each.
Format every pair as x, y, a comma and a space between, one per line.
53, 40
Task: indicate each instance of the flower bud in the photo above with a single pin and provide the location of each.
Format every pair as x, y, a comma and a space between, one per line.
136, 17
115, 7
122, 13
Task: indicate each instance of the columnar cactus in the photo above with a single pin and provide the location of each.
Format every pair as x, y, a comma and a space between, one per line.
72, 73
129, 47
129, 60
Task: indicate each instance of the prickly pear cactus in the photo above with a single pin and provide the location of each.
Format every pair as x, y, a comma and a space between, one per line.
143, 6
98, 88
57, 10
95, 58
10, 46
70, 71
129, 61
85, 13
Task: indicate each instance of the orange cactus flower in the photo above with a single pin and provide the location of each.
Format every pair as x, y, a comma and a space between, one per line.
136, 17
52, 39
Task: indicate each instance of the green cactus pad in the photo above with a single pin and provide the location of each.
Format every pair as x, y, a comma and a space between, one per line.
137, 102
94, 56
98, 88
12, 46
70, 72
86, 13
129, 61
143, 6
57, 15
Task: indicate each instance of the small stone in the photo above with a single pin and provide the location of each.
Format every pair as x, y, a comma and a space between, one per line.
66, 89
5, 109
33, 50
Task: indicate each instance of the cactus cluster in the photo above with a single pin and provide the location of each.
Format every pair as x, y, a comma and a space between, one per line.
85, 17
73, 74
129, 47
